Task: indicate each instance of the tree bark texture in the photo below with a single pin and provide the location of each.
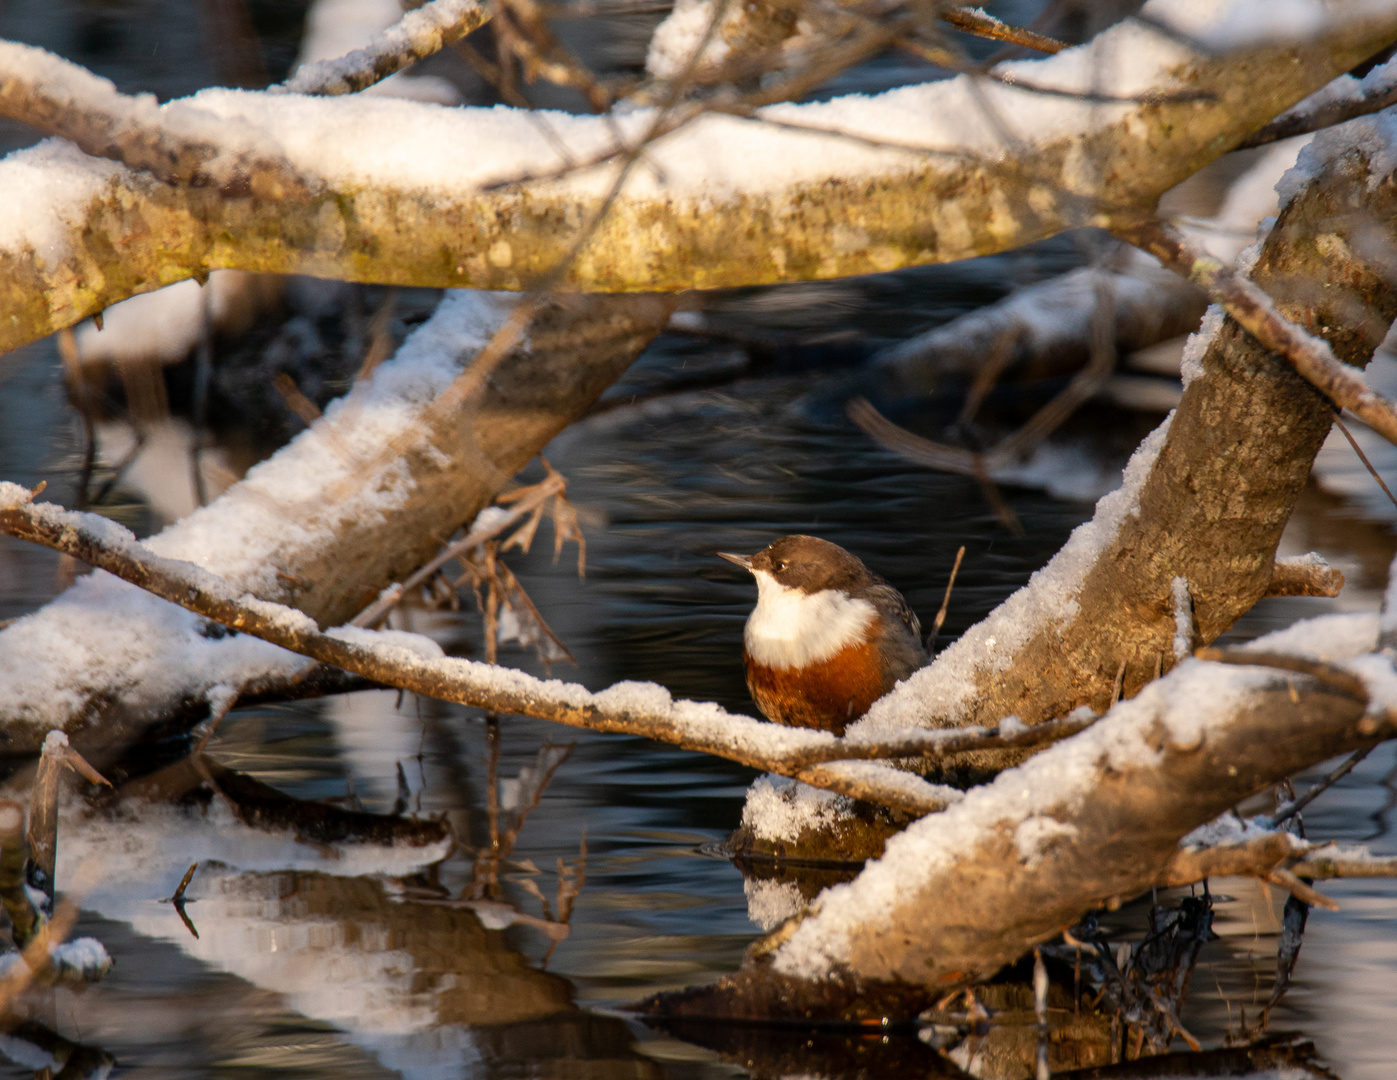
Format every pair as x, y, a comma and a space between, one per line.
114, 233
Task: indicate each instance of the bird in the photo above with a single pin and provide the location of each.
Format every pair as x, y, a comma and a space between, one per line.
828, 636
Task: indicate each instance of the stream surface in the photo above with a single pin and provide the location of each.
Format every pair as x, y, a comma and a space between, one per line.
309, 963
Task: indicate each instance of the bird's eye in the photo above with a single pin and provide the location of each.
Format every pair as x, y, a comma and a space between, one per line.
779, 567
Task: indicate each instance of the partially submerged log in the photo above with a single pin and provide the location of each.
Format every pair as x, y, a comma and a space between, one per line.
1087, 823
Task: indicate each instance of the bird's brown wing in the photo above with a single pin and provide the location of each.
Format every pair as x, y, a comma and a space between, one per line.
891, 603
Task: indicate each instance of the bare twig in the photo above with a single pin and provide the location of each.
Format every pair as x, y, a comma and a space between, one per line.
945, 602
1331, 675
975, 21
1339, 420
1294, 806
537, 495
1301, 121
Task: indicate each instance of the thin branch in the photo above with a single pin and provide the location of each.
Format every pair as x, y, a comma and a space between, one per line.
1294, 806
376, 612
1339, 420
1331, 675
945, 601
1256, 312
1304, 577
817, 758
1302, 121
975, 21
417, 35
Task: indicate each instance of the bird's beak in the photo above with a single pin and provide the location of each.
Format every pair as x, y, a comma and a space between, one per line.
744, 561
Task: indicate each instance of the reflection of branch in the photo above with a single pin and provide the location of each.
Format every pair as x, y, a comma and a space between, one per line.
416, 35
818, 758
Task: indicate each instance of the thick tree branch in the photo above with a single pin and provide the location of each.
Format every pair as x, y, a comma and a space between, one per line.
1207, 496
350, 506
1090, 822
407, 194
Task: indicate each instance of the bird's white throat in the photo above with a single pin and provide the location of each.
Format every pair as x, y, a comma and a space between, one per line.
789, 628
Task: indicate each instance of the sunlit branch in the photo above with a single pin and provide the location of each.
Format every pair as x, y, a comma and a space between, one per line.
417, 35
178, 143
1256, 312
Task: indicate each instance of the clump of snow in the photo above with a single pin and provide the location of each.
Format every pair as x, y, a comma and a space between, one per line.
678, 38
780, 809
1035, 834
1374, 135
1012, 725
1183, 617
1191, 363
48, 189
770, 902
85, 958
394, 641
55, 742
1327, 638
939, 693
72, 963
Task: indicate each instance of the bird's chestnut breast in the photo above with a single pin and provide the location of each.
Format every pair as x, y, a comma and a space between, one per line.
827, 695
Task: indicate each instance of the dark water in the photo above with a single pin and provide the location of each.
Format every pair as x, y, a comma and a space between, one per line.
309, 964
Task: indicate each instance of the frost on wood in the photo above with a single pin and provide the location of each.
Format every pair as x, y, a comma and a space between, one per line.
404, 196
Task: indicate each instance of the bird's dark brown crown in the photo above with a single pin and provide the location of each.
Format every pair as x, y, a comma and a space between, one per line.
810, 564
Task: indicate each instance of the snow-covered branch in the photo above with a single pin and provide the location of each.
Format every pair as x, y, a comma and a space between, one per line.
1253, 309
178, 143
417, 35
1090, 822
1206, 495
349, 507
921, 174
414, 663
